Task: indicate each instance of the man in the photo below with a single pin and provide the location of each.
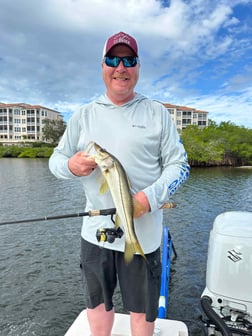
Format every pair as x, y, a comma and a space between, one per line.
142, 135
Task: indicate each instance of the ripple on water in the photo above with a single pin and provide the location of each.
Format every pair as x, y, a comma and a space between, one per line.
41, 289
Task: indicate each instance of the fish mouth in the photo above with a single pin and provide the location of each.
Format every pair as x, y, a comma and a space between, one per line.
90, 146
100, 152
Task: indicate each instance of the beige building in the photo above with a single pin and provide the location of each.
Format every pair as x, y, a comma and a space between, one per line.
184, 116
23, 122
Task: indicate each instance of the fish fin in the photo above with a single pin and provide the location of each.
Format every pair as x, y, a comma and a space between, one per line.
104, 188
117, 221
129, 252
131, 249
139, 250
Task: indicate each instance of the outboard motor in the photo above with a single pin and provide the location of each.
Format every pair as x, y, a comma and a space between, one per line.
227, 298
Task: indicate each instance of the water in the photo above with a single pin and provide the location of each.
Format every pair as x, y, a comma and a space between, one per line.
41, 291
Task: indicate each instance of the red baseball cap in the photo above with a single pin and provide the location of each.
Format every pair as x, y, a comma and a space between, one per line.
120, 38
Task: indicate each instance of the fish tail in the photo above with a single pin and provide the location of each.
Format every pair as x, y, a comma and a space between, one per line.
131, 249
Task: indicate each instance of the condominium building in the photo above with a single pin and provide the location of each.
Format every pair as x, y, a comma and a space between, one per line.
184, 116
23, 122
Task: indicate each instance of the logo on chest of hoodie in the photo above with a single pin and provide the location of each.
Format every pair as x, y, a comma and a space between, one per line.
138, 126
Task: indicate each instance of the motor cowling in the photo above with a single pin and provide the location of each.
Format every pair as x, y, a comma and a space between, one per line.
229, 265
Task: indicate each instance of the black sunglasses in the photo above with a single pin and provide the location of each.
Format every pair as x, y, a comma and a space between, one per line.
114, 61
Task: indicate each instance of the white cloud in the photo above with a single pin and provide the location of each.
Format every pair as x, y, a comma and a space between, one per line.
190, 51
236, 108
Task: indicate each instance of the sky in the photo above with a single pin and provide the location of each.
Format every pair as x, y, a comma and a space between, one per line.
195, 53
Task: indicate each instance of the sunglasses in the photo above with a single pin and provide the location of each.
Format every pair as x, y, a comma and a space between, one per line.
114, 61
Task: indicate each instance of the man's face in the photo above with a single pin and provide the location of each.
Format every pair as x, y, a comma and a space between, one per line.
120, 81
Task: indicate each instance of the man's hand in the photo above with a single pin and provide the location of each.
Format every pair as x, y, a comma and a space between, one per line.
81, 164
141, 204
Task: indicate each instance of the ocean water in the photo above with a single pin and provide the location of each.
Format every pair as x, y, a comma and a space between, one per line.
41, 292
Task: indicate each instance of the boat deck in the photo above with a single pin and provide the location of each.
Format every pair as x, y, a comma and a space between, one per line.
163, 327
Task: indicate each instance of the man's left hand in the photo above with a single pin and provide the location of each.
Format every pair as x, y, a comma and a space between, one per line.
141, 204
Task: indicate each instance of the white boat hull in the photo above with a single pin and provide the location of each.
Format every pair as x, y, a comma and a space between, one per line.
163, 327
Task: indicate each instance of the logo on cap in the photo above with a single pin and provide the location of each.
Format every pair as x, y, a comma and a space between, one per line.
121, 39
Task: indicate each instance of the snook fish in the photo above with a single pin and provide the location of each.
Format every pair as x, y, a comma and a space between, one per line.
117, 182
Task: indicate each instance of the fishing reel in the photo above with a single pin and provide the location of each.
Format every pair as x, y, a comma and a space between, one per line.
108, 234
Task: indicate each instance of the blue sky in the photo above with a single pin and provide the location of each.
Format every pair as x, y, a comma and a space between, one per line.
196, 53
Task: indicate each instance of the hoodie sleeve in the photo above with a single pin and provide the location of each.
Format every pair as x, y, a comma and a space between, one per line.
174, 163
67, 147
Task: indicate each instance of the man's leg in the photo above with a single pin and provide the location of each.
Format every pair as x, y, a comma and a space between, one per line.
140, 289
100, 320
139, 325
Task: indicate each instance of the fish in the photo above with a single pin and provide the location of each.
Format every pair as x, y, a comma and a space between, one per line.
117, 182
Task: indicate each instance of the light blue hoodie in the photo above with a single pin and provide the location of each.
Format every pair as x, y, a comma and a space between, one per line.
142, 135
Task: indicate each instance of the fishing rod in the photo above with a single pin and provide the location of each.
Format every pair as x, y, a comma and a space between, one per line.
90, 213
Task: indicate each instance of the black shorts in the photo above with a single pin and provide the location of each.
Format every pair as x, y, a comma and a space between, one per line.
139, 280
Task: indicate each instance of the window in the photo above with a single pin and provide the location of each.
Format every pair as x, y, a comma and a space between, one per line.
187, 113
202, 116
186, 121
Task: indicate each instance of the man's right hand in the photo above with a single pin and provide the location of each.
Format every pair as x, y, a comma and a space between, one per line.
81, 164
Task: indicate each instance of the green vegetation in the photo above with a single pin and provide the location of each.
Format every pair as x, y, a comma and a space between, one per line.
53, 130
34, 151
216, 145
223, 145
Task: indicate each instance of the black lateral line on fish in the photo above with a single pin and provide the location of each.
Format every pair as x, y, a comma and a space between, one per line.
119, 168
